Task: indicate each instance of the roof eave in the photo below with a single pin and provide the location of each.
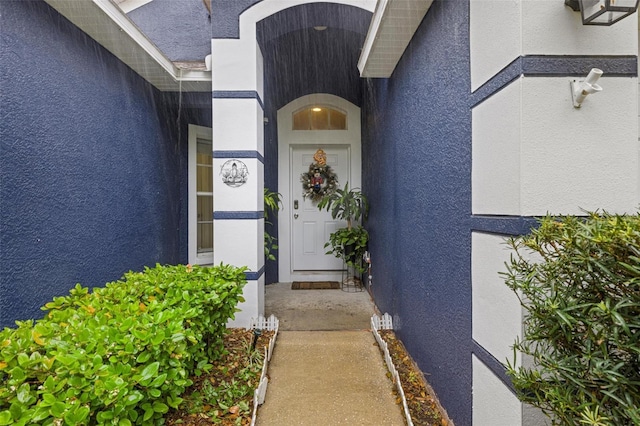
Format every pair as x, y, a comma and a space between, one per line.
106, 23
392, 27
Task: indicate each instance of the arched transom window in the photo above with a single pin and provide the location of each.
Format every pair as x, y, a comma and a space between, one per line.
318, 117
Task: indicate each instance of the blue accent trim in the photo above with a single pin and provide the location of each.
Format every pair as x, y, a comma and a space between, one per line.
220, 215
613, 66
238, 154
507, 225
238, 94
499, 81
555, 66
254, 276
493, 364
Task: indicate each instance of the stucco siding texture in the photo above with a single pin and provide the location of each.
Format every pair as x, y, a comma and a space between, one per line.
89, 167
417, 174
225, 14
180, 28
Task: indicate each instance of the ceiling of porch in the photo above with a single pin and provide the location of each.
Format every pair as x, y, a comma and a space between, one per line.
167, 45
313, 48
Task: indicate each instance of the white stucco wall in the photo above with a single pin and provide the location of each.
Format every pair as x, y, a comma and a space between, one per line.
493, 403
551, 28
239, 125
495, 153
486, 59
233, 243
496, 311
537, 27
235, 65
586, 158
534, 153
253, 305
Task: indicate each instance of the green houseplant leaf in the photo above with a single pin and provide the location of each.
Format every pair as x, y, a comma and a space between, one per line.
349, 243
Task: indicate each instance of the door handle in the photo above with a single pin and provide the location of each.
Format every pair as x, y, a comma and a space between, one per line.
295, 216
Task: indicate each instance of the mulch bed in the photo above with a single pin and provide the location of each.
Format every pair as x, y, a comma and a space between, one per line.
423, 406
224, 370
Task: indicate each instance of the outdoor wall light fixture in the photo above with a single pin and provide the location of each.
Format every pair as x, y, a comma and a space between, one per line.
581, 89
603, 12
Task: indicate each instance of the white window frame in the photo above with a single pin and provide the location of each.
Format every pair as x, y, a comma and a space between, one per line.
195, 133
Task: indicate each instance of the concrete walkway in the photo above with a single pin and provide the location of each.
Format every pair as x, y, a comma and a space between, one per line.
326, 368
318, 309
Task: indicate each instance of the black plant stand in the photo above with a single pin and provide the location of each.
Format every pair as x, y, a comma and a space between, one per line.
351, 279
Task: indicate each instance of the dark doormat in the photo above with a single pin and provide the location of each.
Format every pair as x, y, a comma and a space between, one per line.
315, 285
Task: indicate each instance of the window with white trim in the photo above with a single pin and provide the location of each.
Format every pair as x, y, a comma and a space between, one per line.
200, 196
319, 118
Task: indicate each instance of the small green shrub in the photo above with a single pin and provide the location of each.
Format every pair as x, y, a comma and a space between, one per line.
579, 281
122, 354
272, 204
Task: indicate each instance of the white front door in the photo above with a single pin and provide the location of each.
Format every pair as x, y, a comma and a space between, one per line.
301, 238
310, 226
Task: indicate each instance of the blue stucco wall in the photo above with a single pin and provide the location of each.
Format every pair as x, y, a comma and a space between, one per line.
224, 17
92, 163
181, 29
417, 174
271, 182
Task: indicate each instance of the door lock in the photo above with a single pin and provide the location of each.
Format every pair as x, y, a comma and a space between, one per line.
295, 204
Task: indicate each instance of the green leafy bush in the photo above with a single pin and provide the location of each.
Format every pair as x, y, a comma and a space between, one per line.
579, 281
122, 354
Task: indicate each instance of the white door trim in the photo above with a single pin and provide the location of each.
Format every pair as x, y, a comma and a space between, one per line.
323, 138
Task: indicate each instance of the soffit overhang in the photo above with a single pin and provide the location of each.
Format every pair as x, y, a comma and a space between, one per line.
129, 5
104, 21
392, 27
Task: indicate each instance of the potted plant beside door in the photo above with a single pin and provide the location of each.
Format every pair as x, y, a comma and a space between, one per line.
348, 243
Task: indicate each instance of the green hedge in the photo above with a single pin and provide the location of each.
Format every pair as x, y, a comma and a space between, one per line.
122, 354
579, 281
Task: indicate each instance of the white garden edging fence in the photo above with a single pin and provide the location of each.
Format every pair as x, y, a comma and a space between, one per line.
270, 324
386, 323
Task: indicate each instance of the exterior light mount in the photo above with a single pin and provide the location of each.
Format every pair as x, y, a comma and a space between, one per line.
581, 89
603, 12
